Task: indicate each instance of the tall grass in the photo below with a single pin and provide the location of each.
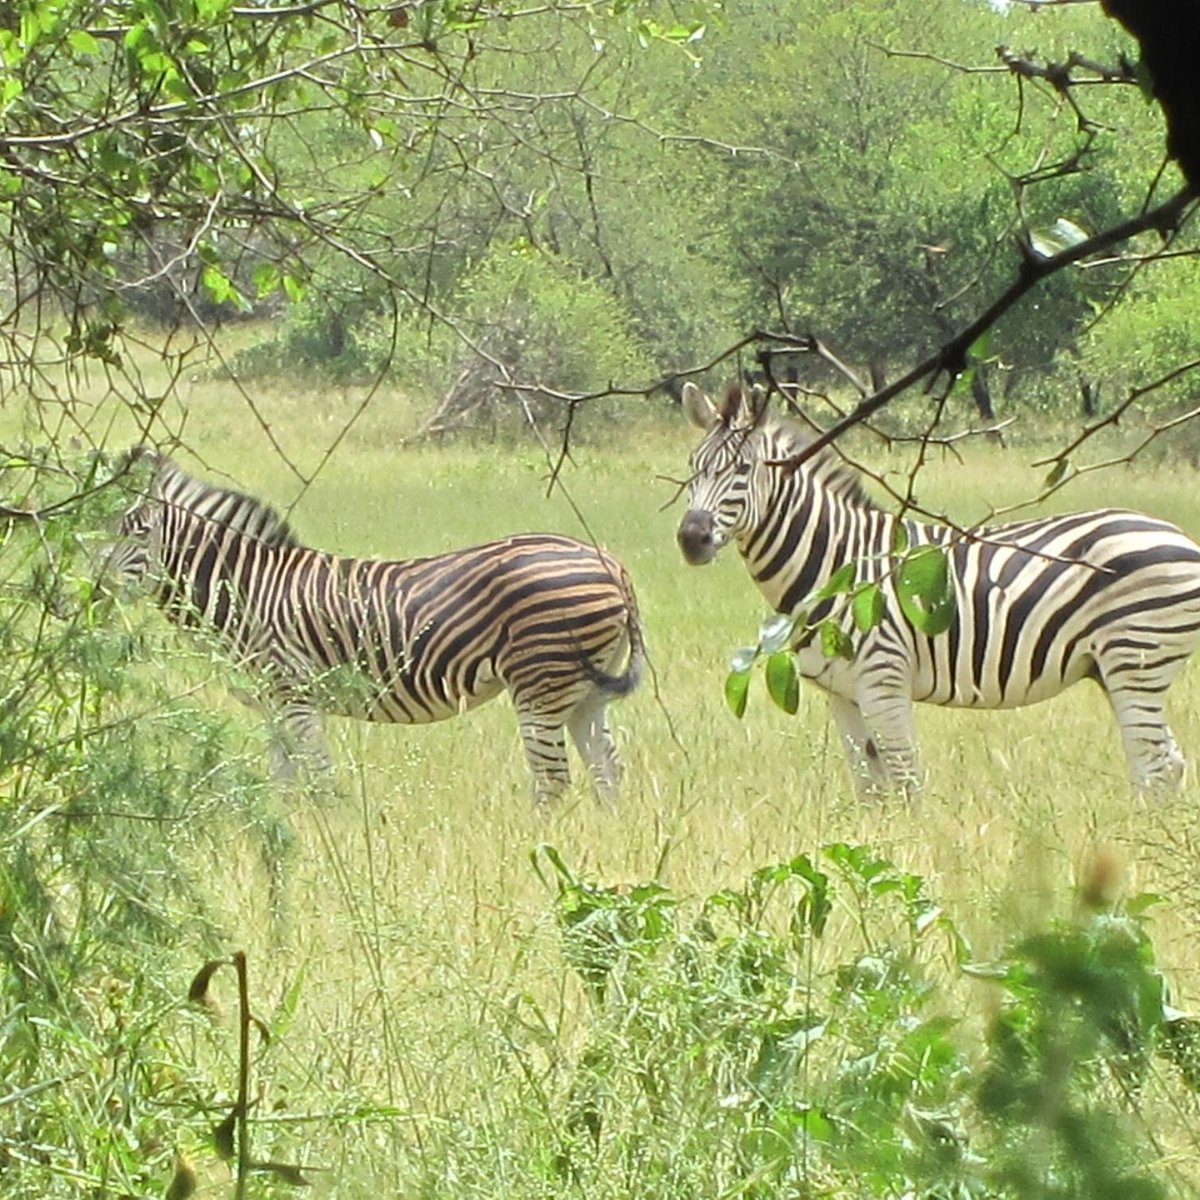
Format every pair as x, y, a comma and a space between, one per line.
428, 1033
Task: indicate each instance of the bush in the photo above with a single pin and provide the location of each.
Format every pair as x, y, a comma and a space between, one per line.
789, 1038
113, 796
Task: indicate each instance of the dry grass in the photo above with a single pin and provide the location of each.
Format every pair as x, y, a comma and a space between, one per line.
414, 919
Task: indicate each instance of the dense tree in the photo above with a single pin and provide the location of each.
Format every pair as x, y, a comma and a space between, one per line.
356, 171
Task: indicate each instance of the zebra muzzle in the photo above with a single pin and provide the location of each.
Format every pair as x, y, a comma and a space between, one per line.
697, 537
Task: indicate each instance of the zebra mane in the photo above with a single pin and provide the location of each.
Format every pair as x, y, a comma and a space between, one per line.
224, 506
827, 466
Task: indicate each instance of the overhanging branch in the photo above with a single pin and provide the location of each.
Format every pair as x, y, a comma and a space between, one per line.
951, 357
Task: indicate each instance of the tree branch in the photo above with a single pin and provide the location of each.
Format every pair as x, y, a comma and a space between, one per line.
951, 358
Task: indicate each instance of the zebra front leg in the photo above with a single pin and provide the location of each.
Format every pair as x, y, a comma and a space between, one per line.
888, 719
546, 754
1155, 763
866, 770
297, 740
589, 731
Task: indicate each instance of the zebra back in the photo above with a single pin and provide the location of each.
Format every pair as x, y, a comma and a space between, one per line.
173, 488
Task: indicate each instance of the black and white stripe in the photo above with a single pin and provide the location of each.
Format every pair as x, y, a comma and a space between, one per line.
1109, 595
547, 618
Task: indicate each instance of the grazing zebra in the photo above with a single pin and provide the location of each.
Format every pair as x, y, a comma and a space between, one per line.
546, 617
1108, 595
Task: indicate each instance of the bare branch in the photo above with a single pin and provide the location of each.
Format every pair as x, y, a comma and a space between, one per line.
951, 357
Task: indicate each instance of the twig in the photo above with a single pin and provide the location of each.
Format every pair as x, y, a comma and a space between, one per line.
951, 357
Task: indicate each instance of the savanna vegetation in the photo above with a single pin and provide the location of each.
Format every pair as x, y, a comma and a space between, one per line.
300, 246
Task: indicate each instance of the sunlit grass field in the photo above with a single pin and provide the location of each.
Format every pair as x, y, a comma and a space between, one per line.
414, 945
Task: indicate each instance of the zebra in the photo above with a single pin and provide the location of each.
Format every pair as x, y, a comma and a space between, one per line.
1108, 595
545, 617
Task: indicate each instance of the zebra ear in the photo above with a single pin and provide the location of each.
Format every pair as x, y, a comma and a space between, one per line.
137, 455
743, 408
699, 408
755, 404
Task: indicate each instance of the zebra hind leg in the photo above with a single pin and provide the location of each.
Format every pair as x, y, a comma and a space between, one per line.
588, 726
888, 720
546, 754
866, 769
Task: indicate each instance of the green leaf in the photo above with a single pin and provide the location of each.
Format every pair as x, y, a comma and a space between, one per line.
1135, 906
737, 690
783, 681
835, 641
221, 288
842, 580
925, 589
1057, 472
979, 350
868, 607
266, 279
82, 42
814, 908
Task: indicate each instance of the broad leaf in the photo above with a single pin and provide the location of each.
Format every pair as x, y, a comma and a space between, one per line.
868, 607
1057, 472
737, 689
842, 580
925, 589
783, 681
835, 641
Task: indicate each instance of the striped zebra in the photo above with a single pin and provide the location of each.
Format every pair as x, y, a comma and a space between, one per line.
547, 618
1107, 595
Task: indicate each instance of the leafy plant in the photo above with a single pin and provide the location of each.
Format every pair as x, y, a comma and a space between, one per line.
1084, 1011
790, 1036
113, 792
745, 1053
921, 582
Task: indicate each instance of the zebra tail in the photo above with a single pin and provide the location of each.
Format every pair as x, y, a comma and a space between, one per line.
628, 680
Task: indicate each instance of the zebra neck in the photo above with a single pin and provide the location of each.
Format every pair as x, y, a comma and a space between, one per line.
206, 569
810, 531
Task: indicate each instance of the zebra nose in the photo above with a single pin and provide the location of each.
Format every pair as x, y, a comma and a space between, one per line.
695, 537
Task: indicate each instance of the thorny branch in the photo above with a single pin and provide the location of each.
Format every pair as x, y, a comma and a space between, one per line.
951, 358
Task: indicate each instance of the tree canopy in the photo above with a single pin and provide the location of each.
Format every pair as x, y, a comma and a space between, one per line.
573, 198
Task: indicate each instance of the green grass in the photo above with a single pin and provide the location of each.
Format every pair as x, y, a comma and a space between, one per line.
415, 976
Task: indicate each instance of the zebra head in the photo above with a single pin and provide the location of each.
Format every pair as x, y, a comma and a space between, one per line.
126, 562
170, 513
729, 475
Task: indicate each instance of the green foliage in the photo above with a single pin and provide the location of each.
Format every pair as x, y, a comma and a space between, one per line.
921, 582
114, 794
786, 1037
725, 1051
1084, 1008
547, 323
925, 589
680, 177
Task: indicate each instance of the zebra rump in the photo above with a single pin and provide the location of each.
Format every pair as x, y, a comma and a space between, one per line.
1109, 595
552, 620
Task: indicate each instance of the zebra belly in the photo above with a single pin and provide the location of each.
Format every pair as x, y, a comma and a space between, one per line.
407, 700
1020, 689
896, 675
